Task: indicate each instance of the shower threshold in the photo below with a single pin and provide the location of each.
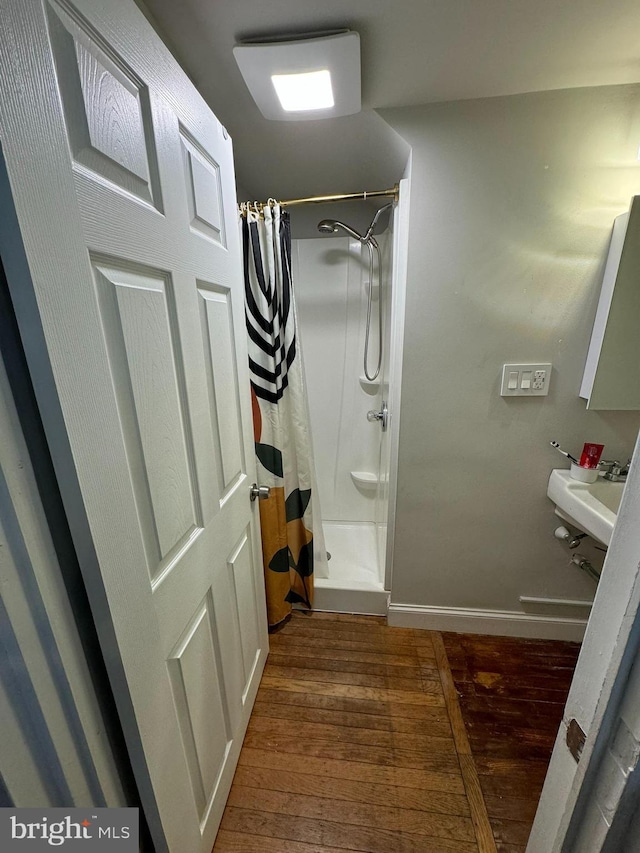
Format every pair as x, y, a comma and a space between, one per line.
353, 584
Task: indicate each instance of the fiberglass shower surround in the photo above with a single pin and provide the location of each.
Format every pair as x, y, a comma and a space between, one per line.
335, 292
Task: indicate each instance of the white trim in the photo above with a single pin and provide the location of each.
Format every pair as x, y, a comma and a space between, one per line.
399, 298
558, 608
506, 623
553, 602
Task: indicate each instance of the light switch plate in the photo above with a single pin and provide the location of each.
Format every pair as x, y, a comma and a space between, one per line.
532, 380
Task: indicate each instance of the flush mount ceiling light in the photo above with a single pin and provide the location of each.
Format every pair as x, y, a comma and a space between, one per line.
311, 90
303, 77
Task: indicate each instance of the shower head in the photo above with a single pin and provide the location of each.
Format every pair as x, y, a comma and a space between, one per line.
330, 226
327, 226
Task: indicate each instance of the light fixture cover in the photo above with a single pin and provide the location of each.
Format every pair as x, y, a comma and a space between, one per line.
310, 90
337, 52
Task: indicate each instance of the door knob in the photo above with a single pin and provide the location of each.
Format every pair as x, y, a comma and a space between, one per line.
261, 492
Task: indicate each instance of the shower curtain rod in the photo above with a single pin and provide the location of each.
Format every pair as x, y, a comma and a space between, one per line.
319, 199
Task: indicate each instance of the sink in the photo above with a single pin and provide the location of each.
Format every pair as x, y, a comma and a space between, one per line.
591, 507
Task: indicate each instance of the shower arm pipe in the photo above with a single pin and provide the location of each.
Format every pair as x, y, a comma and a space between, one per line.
321, 199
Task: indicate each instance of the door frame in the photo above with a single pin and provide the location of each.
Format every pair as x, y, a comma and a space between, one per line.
604, 815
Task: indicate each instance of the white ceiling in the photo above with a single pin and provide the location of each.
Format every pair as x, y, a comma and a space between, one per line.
413, 52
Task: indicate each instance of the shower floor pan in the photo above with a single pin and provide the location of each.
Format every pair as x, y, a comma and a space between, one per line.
354, 584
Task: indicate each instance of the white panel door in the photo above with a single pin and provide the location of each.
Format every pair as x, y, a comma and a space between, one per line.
133, 323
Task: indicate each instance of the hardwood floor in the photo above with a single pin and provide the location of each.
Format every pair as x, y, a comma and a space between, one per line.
350, 747
358, 742
511, 693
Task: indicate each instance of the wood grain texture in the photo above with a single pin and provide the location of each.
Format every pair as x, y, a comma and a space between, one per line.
514, 832
342, 676
436, 724
372, 739
242, 842
479, 816
283, 648
352, 791
113, 116
397, 666
355, 735
511, 695
381, 817
398, 758
388, 711
336, 834
349, 747
366, 736
347, 691
354, 641
376, 639
105, 110
421, 780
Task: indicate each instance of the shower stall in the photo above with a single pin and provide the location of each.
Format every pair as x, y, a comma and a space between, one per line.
339, 302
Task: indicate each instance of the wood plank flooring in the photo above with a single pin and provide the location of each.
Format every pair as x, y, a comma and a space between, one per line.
511, 694
355, 743
388, 740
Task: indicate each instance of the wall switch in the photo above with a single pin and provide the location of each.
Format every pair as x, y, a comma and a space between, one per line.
525, 380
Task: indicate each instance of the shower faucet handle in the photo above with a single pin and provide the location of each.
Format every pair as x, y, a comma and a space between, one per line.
382, 416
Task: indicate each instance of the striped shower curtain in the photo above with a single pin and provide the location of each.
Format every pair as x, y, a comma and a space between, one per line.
280, 415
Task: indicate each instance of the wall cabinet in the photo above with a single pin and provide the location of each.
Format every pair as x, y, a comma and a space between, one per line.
612, 370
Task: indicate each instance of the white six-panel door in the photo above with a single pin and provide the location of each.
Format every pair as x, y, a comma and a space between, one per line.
123, 184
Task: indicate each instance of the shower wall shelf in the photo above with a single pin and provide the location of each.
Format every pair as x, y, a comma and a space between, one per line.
367, 480
369, 386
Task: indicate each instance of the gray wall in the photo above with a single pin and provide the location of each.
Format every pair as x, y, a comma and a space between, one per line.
512, 203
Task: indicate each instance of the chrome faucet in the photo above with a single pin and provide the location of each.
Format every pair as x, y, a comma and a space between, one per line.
614, 470
382, 416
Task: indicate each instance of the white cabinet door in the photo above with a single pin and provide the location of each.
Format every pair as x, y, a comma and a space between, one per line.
133, 321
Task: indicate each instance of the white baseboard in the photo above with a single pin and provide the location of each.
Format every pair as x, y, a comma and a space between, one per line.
506, 623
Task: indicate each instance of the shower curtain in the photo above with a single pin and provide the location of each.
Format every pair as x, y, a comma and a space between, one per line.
280, 414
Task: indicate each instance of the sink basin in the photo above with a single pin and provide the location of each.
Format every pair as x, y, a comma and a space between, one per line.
591, 507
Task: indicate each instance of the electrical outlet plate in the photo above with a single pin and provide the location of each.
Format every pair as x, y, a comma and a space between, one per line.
525, 380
